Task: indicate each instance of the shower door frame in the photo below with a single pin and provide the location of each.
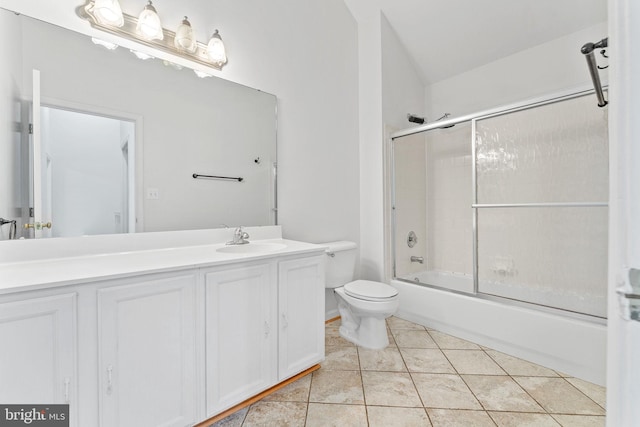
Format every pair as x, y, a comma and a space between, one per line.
475, 206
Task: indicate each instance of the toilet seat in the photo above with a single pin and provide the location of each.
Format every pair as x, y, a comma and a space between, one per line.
369, 290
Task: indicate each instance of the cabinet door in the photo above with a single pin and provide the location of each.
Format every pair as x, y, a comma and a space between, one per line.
147, 352
241, 332
37, 359
301, 315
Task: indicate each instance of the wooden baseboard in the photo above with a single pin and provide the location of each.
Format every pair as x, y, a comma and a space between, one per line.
257, 397
332, 320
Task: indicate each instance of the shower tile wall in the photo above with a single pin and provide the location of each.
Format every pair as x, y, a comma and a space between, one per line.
448, 200
550, 256
410, 201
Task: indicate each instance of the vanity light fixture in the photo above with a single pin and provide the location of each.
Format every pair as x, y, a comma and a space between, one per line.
185, 40
149, 25
216, 50
108, 12
147, 30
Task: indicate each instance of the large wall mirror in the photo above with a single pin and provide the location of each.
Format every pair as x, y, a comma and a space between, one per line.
121, 139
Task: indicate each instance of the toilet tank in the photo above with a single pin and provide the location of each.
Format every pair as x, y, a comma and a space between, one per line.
341, 263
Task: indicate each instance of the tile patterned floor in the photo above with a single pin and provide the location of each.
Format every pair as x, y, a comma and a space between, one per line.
425, 378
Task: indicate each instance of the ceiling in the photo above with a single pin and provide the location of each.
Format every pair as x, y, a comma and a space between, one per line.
449, 37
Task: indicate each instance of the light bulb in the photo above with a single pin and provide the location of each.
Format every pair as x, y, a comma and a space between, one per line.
216, 50
108, 12
184, 39
149, 25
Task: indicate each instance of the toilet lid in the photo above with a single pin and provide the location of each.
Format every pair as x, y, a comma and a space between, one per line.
369, 290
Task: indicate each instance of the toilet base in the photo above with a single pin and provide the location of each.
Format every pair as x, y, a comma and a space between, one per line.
364, 322
370, 334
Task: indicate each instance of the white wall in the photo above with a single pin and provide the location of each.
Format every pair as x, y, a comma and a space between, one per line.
402, 88
10, 90
547, 68
389, 88
369, 55
306, 54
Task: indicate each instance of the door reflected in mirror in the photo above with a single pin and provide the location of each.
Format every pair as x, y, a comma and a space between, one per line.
87, 164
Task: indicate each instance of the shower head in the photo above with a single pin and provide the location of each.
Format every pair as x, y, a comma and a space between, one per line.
443, 118
415, 119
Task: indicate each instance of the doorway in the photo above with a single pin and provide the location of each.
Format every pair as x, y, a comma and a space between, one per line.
89, 181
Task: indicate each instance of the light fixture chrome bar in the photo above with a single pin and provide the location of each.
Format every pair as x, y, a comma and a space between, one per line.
128, 30
541, 205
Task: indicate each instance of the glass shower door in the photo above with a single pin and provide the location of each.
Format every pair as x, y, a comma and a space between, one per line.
541, 205
432, 195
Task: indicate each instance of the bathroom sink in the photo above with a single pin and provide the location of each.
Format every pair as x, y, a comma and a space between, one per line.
251, 248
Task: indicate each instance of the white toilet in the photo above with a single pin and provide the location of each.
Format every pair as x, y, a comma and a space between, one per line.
363, 304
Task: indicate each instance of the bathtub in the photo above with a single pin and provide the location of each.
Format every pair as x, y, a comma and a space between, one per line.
575, 346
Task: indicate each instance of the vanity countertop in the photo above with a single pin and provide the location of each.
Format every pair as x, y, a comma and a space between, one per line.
45, 273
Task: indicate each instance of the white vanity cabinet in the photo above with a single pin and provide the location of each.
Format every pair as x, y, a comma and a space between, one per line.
241, 332
39, 350
301, 314
265, 323
167, 336
147, 341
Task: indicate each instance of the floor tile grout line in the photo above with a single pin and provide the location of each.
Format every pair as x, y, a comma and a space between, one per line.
525, 391
582, 392
306, 415
398, 348
244, 418
513, 378
494, 361
424, 407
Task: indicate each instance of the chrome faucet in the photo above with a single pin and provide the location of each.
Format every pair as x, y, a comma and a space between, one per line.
239, 237
417, 259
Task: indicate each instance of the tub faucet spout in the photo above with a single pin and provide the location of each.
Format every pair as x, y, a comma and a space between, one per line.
417, 259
